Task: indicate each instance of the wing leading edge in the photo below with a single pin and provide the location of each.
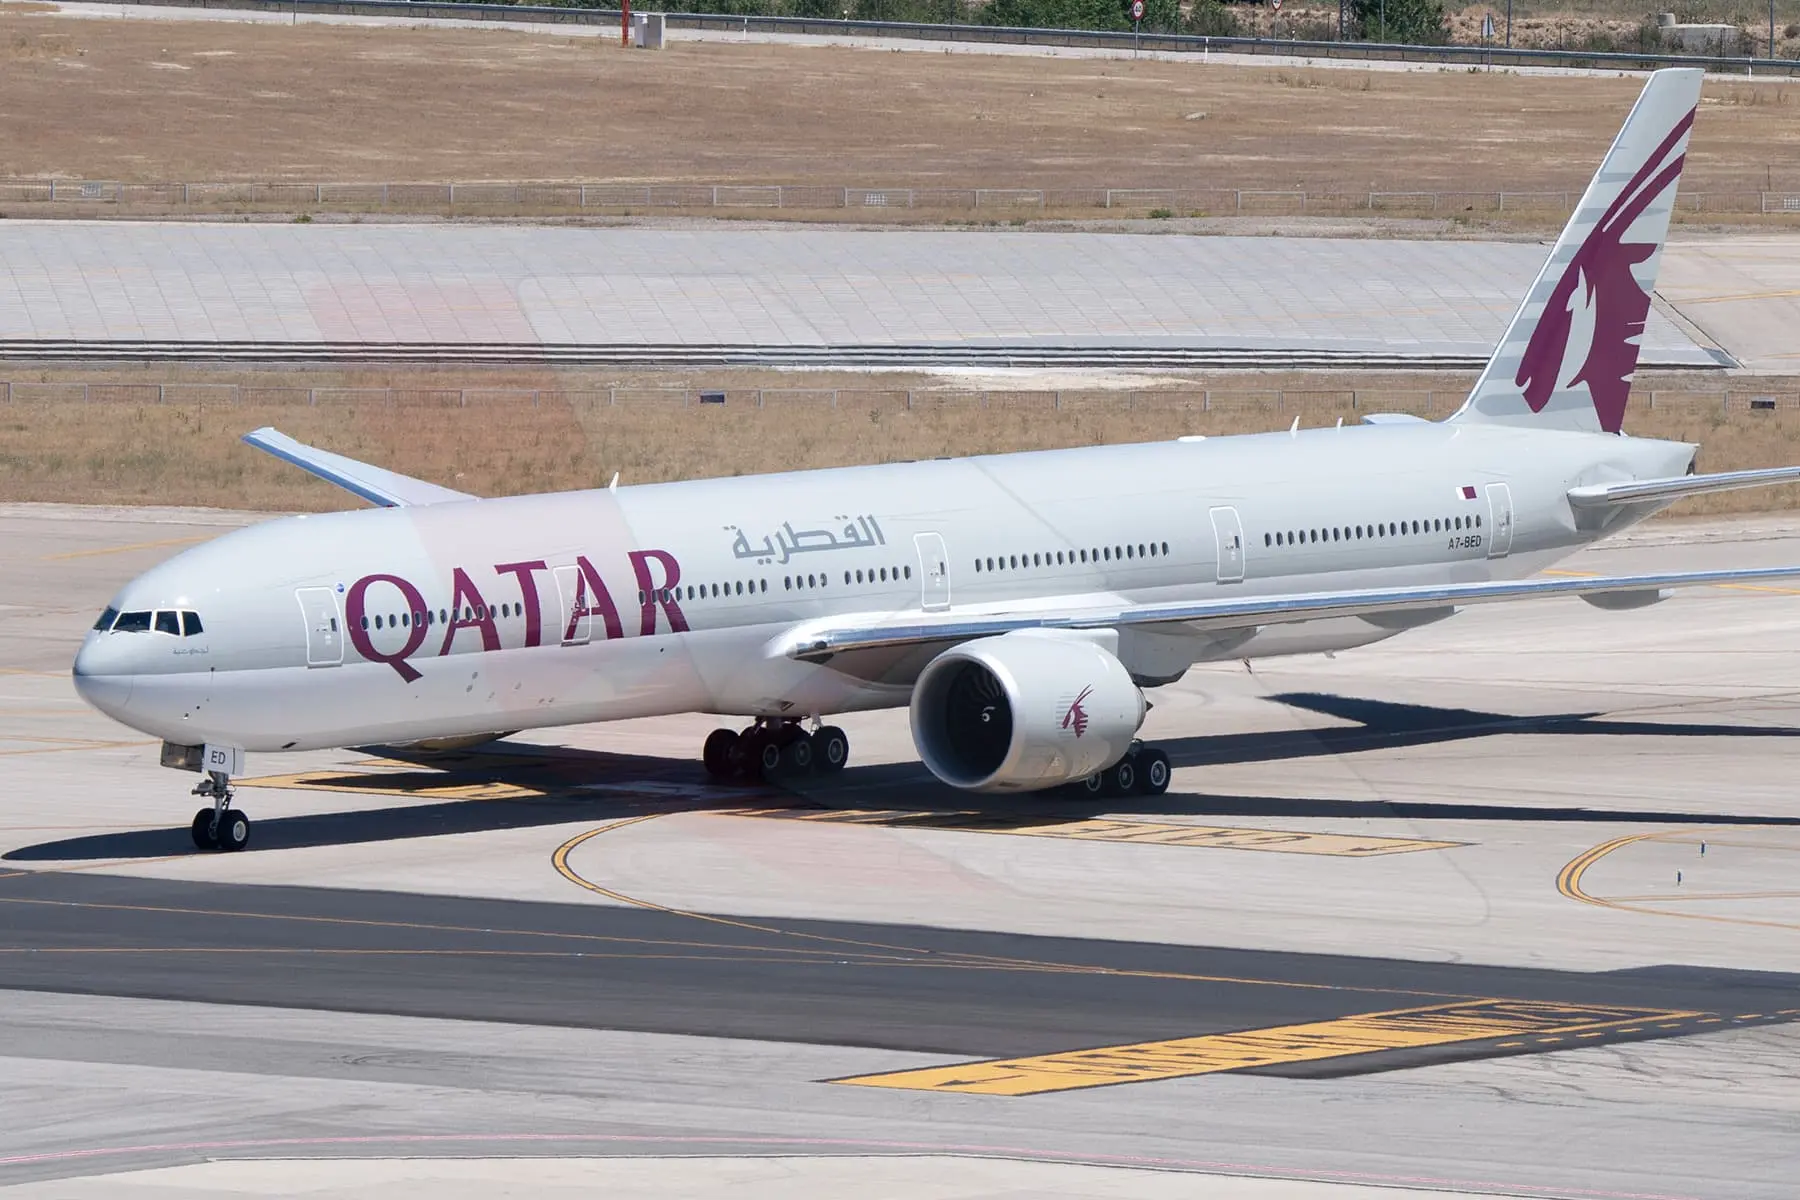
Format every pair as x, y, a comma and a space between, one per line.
390, 489
819, 640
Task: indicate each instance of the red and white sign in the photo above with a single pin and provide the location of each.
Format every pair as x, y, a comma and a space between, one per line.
1137, 10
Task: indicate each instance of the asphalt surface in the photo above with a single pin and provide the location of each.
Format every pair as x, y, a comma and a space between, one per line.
886, 986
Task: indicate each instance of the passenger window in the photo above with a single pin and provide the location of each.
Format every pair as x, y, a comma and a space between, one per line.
1478, 520
190, 624
909, 572
106, 619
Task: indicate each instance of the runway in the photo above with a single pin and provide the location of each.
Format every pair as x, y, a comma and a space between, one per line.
1501, 907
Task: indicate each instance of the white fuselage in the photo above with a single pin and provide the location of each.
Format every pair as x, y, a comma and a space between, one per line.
506, 614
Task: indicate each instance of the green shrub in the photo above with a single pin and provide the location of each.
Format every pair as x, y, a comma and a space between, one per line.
1412, 22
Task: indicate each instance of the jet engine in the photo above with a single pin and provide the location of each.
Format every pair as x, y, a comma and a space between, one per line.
1023, 711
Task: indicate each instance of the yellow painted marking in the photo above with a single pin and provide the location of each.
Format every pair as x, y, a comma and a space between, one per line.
1743, 296
954, 960
1283, 841
157, 545
339, 781
1569, 883
1344, 1037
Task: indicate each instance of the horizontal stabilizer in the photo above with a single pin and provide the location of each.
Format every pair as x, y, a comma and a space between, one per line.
821, 639
1606, 495
389, 489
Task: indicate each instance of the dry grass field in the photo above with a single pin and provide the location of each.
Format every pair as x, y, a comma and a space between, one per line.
187, 453
204, 101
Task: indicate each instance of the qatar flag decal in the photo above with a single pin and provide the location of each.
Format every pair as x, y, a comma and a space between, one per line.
1467, 491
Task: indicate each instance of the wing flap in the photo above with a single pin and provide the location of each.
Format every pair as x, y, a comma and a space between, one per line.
390, 489
817, 641
1607, 495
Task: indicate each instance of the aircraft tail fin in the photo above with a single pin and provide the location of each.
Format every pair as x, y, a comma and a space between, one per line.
1567, 359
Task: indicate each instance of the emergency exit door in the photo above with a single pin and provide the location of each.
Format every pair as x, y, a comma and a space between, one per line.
1229, 533
934, 571
324, 628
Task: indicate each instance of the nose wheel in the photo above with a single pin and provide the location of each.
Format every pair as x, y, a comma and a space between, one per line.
220, 827
775, 752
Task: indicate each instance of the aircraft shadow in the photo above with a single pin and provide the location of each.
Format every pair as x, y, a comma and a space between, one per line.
565, 786
1385, 725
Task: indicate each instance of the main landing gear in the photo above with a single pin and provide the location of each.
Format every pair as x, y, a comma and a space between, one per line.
1144, 771
220, 827
775, 751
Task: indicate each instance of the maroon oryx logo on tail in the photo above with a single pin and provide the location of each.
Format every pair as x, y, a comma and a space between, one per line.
1076, 718
1601, 267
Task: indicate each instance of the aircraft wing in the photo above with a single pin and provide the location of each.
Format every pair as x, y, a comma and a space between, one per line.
374, 484
1605, 495
819, 640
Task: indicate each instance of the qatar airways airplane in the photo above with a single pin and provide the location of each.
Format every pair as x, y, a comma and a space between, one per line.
1019, 604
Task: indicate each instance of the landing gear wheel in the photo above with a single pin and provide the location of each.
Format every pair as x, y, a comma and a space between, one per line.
1153, 773
797, 758
234, 830
830, 749
768, 759
202, 830
717, 753
1093, 785
1121, 778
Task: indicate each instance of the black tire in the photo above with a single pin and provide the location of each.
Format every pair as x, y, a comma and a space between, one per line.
1153, 773
797, 758
830, 750
202, 830
1093, 785
1122, 777
768, 759
716, 754
234, 830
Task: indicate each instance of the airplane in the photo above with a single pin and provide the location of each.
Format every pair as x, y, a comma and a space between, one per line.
1018, 605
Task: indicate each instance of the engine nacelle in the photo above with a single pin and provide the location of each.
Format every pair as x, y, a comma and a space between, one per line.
1024, 711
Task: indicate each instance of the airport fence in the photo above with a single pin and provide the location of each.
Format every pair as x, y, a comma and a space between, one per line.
997, 202
1472, 57
1347, 403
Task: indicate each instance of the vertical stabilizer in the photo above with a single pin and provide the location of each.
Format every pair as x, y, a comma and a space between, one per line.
1567, 359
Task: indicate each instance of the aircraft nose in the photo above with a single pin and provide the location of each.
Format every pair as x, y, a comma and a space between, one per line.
106, 690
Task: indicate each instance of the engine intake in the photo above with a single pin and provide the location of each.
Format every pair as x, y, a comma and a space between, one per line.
1023, 711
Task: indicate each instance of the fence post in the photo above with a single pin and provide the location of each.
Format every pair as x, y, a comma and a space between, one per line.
84, 393
1205, 399
909, 398
159, 393
612, 397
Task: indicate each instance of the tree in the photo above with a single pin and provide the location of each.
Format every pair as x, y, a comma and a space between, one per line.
1416, 22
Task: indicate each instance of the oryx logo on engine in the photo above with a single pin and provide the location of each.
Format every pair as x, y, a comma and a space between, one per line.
1076, 717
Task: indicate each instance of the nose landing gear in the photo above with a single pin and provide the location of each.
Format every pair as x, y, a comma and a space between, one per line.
220, 827
772, 751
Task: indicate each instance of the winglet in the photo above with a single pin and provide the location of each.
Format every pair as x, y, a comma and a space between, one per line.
374, 484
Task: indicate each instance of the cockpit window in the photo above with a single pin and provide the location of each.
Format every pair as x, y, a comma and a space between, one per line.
168, 621
106, 619
133, 622
190, 624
